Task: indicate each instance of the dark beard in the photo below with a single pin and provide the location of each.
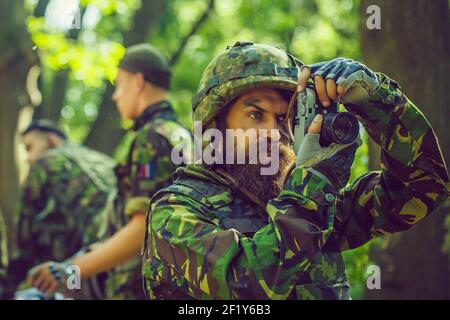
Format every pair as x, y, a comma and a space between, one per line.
264, 187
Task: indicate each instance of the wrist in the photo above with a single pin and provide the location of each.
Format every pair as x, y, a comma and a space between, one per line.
384, 98
335, 169
387, 92
311, 184
376, 111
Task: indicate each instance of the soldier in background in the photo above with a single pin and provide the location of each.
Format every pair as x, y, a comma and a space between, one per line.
63, 204
142, 88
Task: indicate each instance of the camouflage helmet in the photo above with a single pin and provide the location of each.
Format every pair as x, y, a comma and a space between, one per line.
244, 66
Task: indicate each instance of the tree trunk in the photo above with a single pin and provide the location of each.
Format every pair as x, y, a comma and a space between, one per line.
106, 131
413, 47
41, 8
53, 101
16, 58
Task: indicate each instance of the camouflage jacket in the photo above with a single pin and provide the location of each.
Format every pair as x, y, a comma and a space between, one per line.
3, 247
147, 169
3, 256
206, 240
63, 205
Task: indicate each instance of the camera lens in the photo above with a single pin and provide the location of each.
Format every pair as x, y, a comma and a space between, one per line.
341, 127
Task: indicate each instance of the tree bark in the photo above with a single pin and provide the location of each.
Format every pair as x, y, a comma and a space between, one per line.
413, 47
41, 8
16, 58
53, 101
194, 29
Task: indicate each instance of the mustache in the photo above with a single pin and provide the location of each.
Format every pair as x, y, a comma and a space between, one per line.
264, 149
264, 187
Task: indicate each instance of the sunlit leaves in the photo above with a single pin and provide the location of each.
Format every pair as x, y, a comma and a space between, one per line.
89, 64
108, 7
94, 56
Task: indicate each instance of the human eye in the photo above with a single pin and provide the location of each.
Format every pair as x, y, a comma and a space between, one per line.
281, 118
256, 115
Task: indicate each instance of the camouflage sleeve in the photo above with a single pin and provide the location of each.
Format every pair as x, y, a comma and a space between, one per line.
413, 180
3, 248
34, 202
190, 251
150, 167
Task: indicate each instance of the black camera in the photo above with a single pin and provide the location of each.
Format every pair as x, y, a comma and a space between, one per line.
337, 127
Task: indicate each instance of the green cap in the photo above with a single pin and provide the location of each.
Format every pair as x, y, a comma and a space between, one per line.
149, 61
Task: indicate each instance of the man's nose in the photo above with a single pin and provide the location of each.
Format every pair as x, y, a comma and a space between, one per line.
274, 125
273, 134
271, 131
271, 124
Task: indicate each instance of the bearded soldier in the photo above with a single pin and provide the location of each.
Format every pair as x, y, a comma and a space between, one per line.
225, 231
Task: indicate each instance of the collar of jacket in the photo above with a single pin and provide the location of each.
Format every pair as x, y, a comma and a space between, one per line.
196, 171
161, 109
217, 177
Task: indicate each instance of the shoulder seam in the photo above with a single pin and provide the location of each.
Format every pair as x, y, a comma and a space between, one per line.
202, 199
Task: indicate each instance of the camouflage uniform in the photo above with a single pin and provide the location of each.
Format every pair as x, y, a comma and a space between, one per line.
207, 240
3, 247
147, 169
63, 205
3, 255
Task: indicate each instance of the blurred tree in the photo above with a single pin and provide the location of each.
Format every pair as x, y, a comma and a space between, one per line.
16, 58
77, 59
194, 29
41, 8
53, 99
412, 263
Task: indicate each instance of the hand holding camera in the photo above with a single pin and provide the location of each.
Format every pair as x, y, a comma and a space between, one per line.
341, 78
324, 138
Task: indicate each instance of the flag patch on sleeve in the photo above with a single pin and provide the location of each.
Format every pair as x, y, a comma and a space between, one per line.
146, 171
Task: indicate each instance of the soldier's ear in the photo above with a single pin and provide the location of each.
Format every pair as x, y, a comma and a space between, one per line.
53, 140
140, 81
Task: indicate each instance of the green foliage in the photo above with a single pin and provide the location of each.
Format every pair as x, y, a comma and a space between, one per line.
446, 245
356, 262
91, 59
81, 57
80, 108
